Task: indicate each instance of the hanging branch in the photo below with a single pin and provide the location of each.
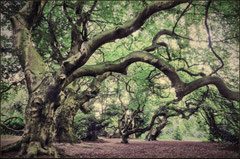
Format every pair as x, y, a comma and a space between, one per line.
11, 129
209, 39
190, 73
185, 10
54, 43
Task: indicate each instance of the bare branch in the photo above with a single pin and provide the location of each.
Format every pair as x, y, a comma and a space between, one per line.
54, 43
67, 15
9, 87
160, 33
92, 8
192, 74
10, 118
11, 129
185, 10
209, 39
155, 44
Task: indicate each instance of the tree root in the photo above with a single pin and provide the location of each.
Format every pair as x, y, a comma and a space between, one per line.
31, 150
124, 142
12, 147
34, 149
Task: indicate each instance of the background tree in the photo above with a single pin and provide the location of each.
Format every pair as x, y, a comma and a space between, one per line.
88, 127
222, 117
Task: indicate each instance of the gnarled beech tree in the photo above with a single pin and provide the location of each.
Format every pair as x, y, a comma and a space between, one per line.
127, 127
185, 113
46, 89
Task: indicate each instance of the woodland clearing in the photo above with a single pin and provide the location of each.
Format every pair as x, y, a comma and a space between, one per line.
112, 148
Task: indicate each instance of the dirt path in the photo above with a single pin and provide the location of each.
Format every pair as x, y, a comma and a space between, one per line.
112, 148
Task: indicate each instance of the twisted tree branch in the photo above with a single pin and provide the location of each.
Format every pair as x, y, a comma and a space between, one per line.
88, 48
181, 88
209, 40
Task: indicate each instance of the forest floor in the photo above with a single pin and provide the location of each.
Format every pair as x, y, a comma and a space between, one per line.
112, 148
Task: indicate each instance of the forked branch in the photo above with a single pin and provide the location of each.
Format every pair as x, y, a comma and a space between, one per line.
88, 48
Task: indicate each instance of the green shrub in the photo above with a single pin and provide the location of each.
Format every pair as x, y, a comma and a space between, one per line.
210, 137
177, 134
15, 123
88, 127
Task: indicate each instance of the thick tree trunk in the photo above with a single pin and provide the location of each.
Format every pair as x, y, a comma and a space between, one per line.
39, 131
71, 105
124, 139
65, 120
155, 132
64, 127
42, 87
152, 135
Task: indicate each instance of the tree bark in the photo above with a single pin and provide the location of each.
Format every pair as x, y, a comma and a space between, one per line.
181, 88
124, 139
39, 131
65, 120
155, 132
43, 101
151, 136
70, 107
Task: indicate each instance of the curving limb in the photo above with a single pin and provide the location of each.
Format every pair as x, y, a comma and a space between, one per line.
190, 73
156, 44
218, 82
185, 10
210, 41
10, 129
89, 47
181, 88
54, 43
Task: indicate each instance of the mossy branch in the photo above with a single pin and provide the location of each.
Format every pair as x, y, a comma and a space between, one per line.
88, 48
181, 88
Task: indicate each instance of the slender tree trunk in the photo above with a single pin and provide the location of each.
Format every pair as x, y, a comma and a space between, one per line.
156, 135
148, 136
